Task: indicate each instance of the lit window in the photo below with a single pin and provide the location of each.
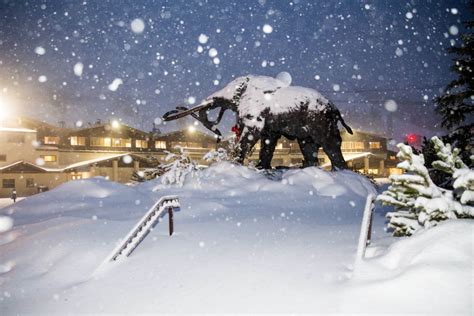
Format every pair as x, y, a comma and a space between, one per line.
101, 141
8, 183
49, 158
374, 145
279, 146
352, 146
122, 142
76, 176
141, 143
373, 171
160, 144
78, 141
395, 171
51, 140
30, 182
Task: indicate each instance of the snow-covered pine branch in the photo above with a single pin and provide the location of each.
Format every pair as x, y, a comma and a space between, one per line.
449, 158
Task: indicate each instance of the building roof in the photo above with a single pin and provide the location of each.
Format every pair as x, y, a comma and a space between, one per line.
344, 132
351, 157
184, 133
17, 130
108, 127
80, 164
24, 165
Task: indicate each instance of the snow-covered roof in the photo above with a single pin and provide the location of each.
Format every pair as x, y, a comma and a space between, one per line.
17, 130
26, 163
351, 157
71, 166
96, 160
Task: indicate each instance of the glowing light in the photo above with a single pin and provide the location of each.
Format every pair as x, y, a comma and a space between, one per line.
191, 129
115, 124
5, 108
411, 138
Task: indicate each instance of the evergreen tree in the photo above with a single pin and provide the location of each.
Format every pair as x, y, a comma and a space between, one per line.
418, 201
456, 105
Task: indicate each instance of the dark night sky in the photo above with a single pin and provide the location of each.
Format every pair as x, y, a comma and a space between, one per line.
373, 51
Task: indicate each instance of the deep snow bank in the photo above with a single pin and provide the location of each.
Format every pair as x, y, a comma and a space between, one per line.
430, 272
243, 243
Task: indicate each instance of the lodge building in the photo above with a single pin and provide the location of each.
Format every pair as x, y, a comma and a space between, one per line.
35, 156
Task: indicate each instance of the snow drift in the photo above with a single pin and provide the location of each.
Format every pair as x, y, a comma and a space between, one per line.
243, 243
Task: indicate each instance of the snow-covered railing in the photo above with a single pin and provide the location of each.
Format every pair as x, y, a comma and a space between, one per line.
165, 205
366, 228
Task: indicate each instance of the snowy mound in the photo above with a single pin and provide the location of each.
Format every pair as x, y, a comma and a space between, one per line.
242, 243
434, 270
82, 198
264, 92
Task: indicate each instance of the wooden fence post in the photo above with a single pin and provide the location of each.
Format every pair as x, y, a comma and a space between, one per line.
170, 218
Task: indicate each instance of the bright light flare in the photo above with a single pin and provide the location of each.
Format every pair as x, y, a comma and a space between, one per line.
5, 108
191, 128
115, 124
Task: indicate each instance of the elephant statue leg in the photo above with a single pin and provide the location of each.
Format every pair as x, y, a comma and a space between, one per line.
267, 148
309, 149
247, 141
333, 149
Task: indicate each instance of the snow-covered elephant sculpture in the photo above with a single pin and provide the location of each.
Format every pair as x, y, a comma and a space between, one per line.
268, 108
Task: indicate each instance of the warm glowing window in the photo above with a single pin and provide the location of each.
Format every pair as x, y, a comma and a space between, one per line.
51, 140
374, 145
279, 146
78, 141
122, 142
373, 171
101, 141
49, 158
349, 146
395, 171
76, 176
160, 144
141, 143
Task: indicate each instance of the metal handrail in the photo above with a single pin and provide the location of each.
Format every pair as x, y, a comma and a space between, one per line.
143, 227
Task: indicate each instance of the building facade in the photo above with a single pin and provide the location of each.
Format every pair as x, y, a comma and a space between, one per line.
35, 156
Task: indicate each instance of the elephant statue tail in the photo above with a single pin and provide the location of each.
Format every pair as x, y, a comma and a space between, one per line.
339, 117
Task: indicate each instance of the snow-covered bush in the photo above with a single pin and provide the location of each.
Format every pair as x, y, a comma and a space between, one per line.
231, 153
217, 155
147, 174
418, 201
179, 167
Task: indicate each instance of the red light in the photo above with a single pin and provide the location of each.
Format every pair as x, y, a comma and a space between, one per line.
411, 138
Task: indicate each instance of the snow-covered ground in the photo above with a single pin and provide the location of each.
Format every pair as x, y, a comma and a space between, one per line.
4, 202
243, 243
